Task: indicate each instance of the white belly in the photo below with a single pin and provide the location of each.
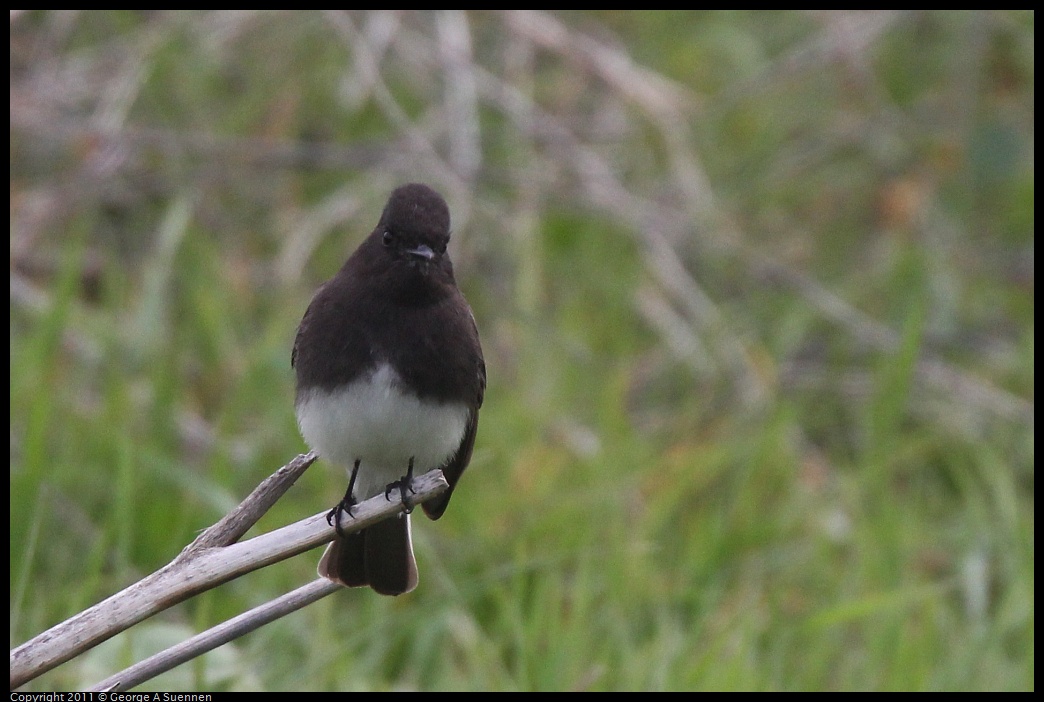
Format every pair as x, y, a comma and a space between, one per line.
374, 422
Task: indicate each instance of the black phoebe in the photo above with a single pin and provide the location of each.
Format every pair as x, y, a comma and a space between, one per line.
390, 378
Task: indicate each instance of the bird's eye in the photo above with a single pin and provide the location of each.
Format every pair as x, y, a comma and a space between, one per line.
388, 239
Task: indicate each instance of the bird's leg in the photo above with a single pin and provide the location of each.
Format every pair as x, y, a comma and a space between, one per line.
333, 517
403, 484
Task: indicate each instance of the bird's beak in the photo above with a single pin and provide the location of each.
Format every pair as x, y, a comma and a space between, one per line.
422, 253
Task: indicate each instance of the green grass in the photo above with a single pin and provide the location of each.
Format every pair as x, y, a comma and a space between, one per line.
717, 476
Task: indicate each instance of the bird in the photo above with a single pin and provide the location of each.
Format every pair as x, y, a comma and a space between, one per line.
390, 378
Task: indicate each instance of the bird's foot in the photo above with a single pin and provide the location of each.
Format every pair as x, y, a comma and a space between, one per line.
403, 484
333, 517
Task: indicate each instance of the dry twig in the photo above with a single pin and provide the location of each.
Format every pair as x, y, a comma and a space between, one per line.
215, 557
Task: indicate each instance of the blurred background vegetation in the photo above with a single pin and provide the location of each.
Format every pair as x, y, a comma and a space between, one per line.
755, 291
